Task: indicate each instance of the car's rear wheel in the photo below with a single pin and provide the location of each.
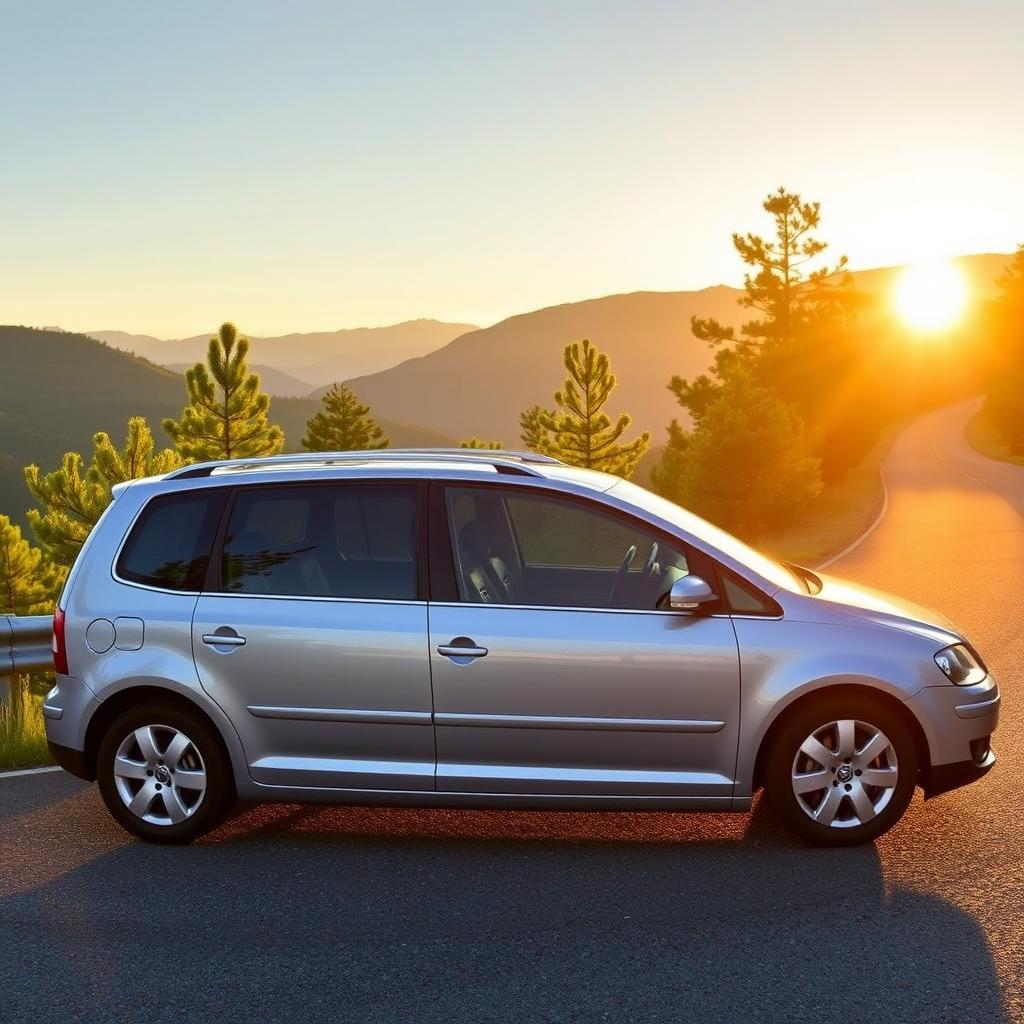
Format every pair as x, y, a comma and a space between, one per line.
841, 770
163, 773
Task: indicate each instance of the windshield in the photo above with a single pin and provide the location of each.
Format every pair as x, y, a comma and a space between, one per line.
729, 545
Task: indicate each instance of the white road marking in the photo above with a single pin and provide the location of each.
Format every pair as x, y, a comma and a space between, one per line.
31, 771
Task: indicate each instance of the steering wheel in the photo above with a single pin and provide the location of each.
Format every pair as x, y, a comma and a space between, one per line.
627, 561
652, 567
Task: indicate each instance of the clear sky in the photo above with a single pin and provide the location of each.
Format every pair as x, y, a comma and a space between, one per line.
315, 165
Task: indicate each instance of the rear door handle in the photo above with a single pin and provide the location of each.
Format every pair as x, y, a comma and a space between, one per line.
223, 639
461, 647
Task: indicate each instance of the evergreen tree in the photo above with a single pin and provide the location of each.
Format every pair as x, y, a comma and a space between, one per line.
787, 357
581, 434
26, 582
1011, 283
475, 442
797, 341
226, 415
790, 299
1005, 402
28, 586
72, 498
533, 433
667, 473
344, 424
745, 466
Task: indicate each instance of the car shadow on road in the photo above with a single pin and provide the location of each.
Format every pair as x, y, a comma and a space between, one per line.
331, 913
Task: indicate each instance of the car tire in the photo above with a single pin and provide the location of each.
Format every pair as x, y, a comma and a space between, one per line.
841, 770
164, 774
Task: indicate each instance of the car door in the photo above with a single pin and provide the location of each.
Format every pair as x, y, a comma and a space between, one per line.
314, 637
554, 669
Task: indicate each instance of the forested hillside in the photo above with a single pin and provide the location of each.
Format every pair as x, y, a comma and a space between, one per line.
57, 389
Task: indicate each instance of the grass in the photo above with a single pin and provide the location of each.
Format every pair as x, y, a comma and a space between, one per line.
23, 738
842, 512
984, 438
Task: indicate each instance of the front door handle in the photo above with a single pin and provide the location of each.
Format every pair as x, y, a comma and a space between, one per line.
461, 647
231, 639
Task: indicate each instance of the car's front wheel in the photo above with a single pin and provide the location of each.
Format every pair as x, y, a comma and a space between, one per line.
163, 773
841, 770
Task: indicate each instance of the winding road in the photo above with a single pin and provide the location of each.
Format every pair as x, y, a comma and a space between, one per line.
308, 914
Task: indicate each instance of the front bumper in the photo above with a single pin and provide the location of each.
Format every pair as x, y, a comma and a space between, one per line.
941, 778
958, 722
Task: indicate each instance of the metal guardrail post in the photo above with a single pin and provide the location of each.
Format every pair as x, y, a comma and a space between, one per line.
25, 646
6, 659
31, 643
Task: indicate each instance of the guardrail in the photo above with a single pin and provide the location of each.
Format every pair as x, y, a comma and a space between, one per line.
25, 644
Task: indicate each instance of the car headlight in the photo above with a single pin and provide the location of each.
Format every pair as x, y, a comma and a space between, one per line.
961, 665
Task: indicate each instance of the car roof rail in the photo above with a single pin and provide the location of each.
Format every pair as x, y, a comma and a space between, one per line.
513, 462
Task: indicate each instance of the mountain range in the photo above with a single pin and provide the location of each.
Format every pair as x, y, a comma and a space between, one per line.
479, 383
274, 382
58, 388
311, 359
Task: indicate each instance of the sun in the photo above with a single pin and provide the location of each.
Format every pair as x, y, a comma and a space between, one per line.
931, 296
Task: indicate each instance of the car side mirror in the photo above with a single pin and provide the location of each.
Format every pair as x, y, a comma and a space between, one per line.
688, 593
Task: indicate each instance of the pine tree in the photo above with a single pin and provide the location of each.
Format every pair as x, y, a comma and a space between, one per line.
344, 424
797, 336
28, 586
533, 433
24, 588
668, 472
226, 415
1005, 401
136, 458
72, 498
581, 434
789, 299
476, 443
745, 466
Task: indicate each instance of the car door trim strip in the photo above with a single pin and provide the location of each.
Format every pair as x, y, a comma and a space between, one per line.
569, 722
359, 715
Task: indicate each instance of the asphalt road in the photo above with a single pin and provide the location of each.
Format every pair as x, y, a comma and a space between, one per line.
308, 914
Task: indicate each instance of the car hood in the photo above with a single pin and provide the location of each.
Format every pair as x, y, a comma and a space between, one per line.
855, 601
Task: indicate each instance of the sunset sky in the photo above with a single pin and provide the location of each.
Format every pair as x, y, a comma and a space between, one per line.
310, 166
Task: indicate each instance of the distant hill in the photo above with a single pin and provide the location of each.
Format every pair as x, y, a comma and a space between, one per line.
274, 382
480, 382
320, 358
57, 389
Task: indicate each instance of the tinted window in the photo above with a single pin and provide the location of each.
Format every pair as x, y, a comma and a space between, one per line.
344, 540
169, 547
744, 599
532, 549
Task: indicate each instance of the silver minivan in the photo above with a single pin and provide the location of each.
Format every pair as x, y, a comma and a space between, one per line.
487, 629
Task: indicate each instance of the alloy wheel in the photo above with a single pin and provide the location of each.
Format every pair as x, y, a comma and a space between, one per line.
845, 773
159, 774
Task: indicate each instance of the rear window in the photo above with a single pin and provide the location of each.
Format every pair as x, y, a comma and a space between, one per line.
339, 540
169, 546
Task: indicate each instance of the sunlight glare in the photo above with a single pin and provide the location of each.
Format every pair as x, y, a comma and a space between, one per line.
931, 296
